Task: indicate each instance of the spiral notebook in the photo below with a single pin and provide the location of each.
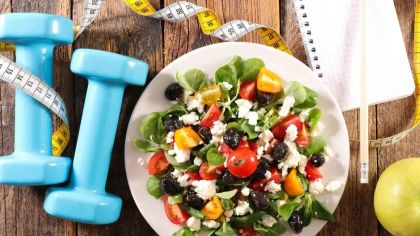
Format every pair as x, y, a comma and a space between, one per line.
330, 29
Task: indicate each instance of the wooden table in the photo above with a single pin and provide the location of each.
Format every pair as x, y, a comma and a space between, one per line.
119, 30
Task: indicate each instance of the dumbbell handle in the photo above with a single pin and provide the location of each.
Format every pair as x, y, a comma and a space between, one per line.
93, 151
33, 121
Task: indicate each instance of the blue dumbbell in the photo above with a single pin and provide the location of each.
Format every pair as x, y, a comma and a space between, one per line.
35, 36
84, 199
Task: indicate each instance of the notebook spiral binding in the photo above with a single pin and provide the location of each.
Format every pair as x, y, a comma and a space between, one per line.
306, 33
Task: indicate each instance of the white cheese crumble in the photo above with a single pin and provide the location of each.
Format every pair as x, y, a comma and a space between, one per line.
272, 187
228, 213
302, 164
267, 174
181, 156
170, 137
198, 161
211, 224
293, 156
194, 224
268, 221
316, 187
217, 131
291, 133
245, 191
227, 85
262, 111
183, 179
288, 103
280, 203
333, 186
257, 128
266, 136
304, 114
242, 208
190, 118
244, 106
252, 117
195, 102
284, 170
260, 152
205, 189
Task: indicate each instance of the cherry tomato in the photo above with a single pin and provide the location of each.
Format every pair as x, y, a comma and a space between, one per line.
312, 173
260, 184
210, 172
304, 137
279, 129
174, 212
213, 209
158, 163
253, 146
225, 149
186, 138
211, 116
268, 81
242, 162
243, 144
193, 175
292, 184
247, 232
210, 94
248, 90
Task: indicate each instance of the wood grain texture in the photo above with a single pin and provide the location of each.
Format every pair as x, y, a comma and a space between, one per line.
117, 29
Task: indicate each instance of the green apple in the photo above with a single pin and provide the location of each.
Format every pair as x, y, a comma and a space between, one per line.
397, 197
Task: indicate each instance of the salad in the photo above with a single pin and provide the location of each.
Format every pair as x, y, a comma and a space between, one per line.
238, 154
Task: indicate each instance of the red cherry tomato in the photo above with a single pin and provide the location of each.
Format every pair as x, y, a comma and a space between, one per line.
279, 129
210, 172
225, 149
174, 212
260, 184
247, 232
242, 162
312, 173
243, 144
304, 137
212, 115
253, 146
193, 175
248, 90
273, 142
158, 163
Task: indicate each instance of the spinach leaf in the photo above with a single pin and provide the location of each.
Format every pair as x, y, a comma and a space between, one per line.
313, 118
303, 181
192, 211
153, 187
225, 230
214, 157
286, 210
179, 166
310, 101
176, 109
228, 194
278, 195
238, 63
317, 145
296, 90
252, 67
203, 151
227, 73
227, 203
192, 80
269, 119
146, 145
272, 209
276, 229
192, 168
175, 199
186, 231
247, 220
244, 126
320, 211
306, 210
152, 127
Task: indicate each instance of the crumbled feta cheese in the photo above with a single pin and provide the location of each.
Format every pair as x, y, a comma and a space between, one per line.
195, 102
272, 187
245, 191
257, 128
198, 161
252, 117
288, 103
267, 174
242, 208
260, 152
170, 137
333, 186
291, 133
261, 111
190, 118
171, 152
211, 224
228, 213
194, 224
266, 136
284, 170
280, 165
181, 156
302, 164
217, 131
293, 156
205, 189
280, 203
304, 114
227, 85
244, 106
183, 179
268, 221
316, 187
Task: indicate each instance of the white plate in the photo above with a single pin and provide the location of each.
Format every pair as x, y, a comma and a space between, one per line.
208, 59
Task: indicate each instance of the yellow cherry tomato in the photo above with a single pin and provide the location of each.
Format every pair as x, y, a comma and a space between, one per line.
186, 138
210, 94
213, 209
268, 81
292, 184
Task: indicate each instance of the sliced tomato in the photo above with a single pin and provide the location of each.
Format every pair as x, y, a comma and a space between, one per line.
186, 138
312, 173
273, 142
253, 146
212, 115
193, 175
243, 144
210, 172
279, 129
247, 232
174, 212
242, 162
304, 136
260, 184
248, 90
269, 82
158, 163
225, 149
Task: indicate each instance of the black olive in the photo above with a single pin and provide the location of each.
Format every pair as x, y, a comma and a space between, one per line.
262, 167
232, 138
172, 123
296, 222
264, 99
317, 160
227, 178
205, 133
174, 91
259, 199
279, 152
191, 199
170, 185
